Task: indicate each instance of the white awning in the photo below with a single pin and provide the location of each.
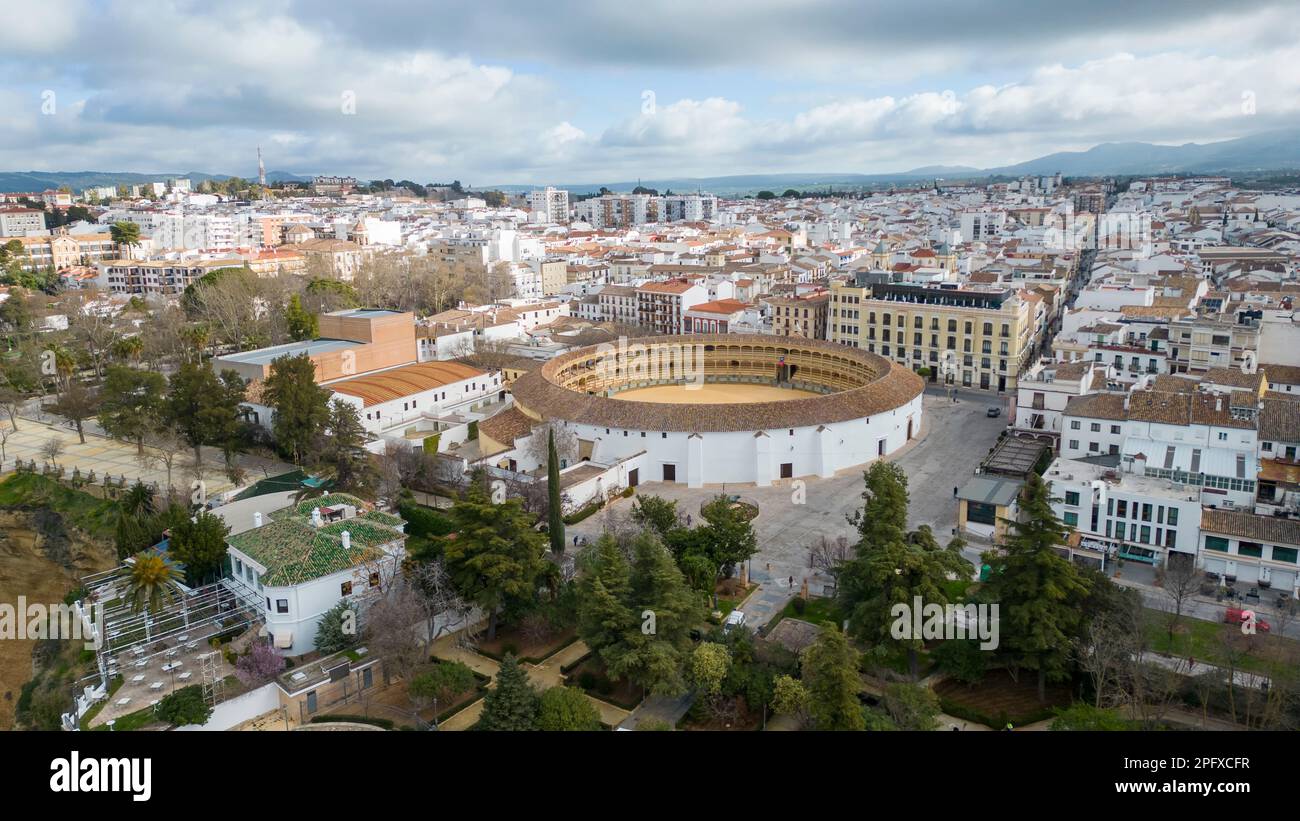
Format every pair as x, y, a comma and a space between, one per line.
284, 640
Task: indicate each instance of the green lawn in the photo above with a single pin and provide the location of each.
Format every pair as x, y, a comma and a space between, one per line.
1202, 640
815, 610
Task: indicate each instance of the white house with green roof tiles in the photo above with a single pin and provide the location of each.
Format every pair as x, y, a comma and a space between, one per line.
303, 560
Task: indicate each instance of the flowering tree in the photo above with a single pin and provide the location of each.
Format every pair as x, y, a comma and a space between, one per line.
260, 664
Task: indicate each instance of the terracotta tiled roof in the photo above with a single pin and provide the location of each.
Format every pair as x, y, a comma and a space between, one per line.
1270, 529
385, 386
507, 426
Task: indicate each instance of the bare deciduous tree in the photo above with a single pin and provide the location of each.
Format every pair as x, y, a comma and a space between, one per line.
828, 554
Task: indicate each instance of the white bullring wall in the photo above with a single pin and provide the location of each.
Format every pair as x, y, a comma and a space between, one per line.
743, 456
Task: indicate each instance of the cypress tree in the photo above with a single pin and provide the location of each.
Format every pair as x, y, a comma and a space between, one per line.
555, 514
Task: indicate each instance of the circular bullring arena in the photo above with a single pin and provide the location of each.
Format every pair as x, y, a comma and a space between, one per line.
712, 409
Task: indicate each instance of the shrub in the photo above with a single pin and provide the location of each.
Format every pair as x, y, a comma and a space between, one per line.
563, 708
587, 680
185, 706
800, 605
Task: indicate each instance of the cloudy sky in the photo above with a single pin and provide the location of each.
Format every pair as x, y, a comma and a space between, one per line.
492, 91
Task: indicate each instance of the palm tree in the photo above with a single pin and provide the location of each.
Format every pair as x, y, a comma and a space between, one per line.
129, 348
125, 233
138, 501
154, 581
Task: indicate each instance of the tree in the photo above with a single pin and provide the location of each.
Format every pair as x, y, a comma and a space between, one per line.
911, 706
790, 193
789, 696
637, 616
710, 664
494, 555
200, 545
301, 323
830, 672
154, 580
15, 313
259, 665
567, 709
765, 195
893, 567
77, 404
554, 512
337, 629
125, 233
204, 407
657, 513
342, 449
302, 408
393, 624
52, 449
1181, 582
513, 704
1040, 592
131, 404
442, 683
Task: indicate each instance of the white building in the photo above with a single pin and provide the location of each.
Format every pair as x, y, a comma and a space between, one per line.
297, 563
549, 205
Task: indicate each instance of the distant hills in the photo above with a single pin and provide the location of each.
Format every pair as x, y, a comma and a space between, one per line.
78, 181
1272, 151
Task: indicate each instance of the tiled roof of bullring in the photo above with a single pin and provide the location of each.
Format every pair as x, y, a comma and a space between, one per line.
536, 393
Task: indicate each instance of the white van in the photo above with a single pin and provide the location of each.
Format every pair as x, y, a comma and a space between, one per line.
734, 620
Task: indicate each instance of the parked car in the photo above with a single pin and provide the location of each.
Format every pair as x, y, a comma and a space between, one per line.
734, 620
1236, 615
994, 413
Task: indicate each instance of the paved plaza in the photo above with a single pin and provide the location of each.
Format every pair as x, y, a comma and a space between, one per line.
794, 513
104, 455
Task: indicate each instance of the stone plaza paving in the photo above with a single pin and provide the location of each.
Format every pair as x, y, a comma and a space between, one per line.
109, 456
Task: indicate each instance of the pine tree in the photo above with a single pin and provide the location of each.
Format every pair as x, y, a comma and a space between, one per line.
1040, 593
301, 407
892, 566
301, 323
513, 704
554, 512
494, 555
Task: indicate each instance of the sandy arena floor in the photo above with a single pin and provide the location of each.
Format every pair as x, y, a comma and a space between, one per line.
712, 393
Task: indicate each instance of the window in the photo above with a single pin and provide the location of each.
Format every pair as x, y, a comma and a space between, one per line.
1072, 498
345, 589
1173, 515
1074, 444
282, 605
1071, 519
374, 579
1146, 534
1146, 512
1121, 509
1285, 554
1114, 429
1254, 549
1095, 427
1074, 424
1216, 543
367, 678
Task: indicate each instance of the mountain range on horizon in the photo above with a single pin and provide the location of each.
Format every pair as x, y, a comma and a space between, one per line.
1271, 151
